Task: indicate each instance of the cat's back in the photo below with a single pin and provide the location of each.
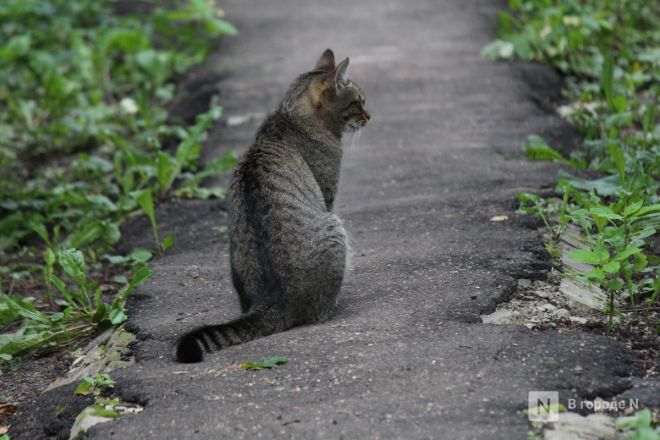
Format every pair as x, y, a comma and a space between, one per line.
274, 173
272, 153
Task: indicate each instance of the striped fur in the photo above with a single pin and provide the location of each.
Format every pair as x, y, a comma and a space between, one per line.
287, 248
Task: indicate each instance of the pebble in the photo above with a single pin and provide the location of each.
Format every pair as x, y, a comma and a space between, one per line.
547, 307
578, 320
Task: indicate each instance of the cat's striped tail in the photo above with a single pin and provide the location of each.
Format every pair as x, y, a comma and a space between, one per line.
191, 346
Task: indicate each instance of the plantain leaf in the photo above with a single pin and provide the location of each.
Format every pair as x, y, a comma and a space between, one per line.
264, 363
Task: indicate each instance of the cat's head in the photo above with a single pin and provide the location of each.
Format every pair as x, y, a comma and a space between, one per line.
326, 93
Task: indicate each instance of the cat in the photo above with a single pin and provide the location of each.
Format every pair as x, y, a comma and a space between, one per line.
287, 248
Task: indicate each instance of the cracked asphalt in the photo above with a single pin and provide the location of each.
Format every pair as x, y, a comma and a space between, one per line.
406, 356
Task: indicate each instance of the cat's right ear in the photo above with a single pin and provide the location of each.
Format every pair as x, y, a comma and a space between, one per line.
326, 62
340, 73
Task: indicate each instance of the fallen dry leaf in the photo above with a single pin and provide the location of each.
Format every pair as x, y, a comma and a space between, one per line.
4, 429
6, 409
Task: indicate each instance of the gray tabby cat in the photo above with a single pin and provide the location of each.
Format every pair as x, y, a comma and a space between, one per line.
287, 248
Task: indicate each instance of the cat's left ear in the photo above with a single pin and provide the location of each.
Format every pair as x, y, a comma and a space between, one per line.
326, 62
327, 83
340, 72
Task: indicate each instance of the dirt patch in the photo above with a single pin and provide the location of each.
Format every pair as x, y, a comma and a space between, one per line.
22, 386
50, 417
51, 414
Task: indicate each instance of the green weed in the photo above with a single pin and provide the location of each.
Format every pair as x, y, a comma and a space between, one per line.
95, 385
609, 52
638, 426
83, 91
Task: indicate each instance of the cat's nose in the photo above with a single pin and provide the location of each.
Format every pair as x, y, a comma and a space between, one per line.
366, 114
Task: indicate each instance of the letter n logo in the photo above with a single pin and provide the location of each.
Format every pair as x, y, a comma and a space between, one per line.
543, 406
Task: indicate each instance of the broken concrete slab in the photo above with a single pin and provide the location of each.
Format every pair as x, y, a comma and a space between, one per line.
573, 426
102, 411
581, 296
108, 351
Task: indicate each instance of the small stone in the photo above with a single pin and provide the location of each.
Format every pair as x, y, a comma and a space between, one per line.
236, 120
578, 320
578, 370
542, 294
499, 218
524, 283
562, 314
501, 316
128, 408
547, 307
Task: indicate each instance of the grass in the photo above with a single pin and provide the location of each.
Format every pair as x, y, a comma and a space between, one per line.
83, 130
609, 52
95, 385
638, 426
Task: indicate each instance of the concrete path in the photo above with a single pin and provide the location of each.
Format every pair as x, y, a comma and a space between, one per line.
407, 356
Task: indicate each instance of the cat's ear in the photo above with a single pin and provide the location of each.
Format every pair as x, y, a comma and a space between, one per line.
341, 71
327, 83
326, 62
